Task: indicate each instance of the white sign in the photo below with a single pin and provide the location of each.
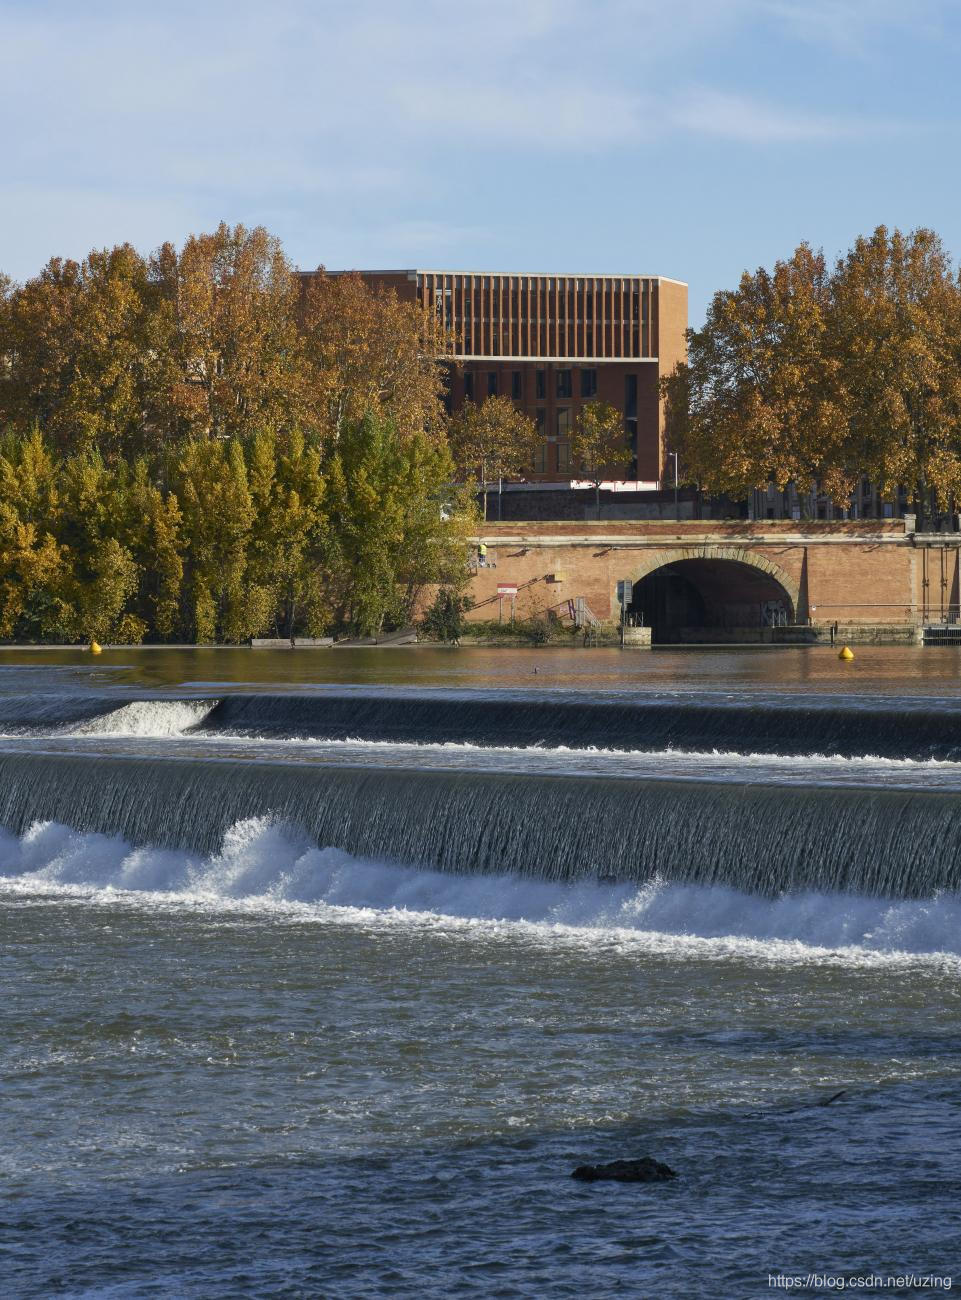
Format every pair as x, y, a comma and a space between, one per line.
506, 589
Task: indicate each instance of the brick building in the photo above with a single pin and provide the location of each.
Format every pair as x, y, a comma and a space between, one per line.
551, 342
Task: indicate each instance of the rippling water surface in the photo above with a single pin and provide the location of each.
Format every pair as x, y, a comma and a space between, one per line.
281, 1068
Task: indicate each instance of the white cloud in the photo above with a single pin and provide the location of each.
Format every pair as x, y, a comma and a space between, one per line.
855, 27
361, 120
752, 121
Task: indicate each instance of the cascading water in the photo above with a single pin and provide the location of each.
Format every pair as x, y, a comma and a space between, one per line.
394, 961
759, 838
915, 729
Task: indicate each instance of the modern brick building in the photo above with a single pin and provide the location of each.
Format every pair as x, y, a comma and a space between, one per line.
551, 342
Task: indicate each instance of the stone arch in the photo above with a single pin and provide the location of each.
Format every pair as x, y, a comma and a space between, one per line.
719, 596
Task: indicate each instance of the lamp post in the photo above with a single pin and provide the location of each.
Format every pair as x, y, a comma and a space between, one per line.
677, 508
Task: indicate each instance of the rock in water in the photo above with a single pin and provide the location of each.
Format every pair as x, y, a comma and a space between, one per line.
644, 1170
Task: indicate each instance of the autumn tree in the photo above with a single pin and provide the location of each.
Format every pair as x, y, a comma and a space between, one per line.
370, 354
896, 346
236, 347
87, 353
600, 445
758, 399
492, 440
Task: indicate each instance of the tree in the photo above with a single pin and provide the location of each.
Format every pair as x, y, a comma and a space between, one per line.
492, 440
599, 444
86, 356
758, 399
290, 526
213, 492
444, 620
896, 340
815, 378
371, 354
395, 525
105, 582
237, 350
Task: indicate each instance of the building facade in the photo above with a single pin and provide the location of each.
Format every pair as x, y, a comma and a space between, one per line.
553, 342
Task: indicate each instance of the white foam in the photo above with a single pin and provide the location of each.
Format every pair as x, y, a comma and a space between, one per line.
146, 718
264, 867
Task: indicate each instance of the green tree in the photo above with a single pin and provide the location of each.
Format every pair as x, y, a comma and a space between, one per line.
444, 619
103, 585
394, 527
213, 493
290, 525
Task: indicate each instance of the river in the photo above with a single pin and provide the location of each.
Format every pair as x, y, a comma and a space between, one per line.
322, 970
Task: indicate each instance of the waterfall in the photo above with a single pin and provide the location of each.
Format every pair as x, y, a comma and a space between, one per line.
925, 729
849, 727
762, 839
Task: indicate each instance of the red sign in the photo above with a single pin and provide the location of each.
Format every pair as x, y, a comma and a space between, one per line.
506, 589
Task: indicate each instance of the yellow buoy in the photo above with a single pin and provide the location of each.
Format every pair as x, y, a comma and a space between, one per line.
846, 652
96, 648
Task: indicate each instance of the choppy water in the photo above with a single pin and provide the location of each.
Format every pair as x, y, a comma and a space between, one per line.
279, 1067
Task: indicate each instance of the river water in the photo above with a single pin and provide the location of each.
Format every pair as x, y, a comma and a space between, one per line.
323, 970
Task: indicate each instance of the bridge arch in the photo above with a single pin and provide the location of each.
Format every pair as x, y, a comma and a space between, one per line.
712, 592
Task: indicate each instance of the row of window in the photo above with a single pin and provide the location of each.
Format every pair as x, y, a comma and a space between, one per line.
563, 380
563, 458
546, 343
534, 283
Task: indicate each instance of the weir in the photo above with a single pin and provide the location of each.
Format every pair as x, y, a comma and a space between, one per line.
765, 839
850, 727
926, 730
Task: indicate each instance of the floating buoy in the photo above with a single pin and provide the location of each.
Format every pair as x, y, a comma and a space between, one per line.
96, 648
846, 652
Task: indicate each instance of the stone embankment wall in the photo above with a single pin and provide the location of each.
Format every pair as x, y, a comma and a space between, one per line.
861, 574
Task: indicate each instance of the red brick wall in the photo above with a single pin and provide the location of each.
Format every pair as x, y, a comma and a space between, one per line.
863, 571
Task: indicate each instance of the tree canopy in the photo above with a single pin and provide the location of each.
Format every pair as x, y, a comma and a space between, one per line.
492, 439
822, 376
600, 445
202, 445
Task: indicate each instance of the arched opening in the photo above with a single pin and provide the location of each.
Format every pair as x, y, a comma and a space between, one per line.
710, 599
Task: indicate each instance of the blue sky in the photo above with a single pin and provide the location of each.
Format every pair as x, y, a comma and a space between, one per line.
690, 139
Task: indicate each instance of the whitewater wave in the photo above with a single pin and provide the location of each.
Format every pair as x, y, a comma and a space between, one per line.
169, 719
265, 867
163, 719
148, 718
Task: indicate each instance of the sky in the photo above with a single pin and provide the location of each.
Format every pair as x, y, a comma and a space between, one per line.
692, 139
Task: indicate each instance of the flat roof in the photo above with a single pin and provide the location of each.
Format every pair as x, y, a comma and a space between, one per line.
411, 272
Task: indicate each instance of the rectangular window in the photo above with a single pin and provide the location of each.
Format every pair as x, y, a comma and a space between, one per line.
492, 383
563, 457
469, 386
517, 385
541, 384
563, 383
588, 383
564, 422
630, 396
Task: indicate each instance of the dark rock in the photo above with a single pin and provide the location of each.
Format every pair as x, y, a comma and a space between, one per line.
644, 1170
826, 1101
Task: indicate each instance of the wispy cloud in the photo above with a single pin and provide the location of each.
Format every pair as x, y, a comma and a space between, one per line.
753, 121
856, 27
369, 122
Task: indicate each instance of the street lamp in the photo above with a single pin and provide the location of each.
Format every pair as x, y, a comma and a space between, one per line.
677, 514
